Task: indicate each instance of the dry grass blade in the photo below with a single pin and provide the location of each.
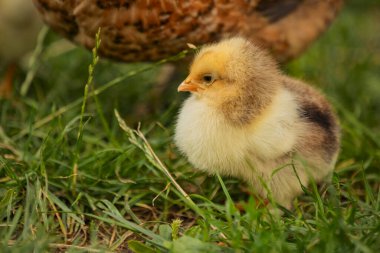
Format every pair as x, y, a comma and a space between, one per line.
151, 155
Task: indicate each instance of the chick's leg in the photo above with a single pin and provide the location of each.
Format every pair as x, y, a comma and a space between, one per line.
6, 83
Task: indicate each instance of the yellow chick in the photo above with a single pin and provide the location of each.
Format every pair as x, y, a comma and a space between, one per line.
246, 119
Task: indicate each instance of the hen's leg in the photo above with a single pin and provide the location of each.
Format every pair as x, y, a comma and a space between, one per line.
7, 82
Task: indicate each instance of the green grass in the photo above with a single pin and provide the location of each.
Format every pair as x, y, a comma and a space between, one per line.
76, 177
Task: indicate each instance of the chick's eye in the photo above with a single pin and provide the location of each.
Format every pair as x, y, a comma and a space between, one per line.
207, 78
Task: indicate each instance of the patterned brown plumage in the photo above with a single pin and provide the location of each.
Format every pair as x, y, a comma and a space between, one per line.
145, 30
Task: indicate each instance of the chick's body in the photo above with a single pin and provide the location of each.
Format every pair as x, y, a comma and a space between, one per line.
247, 119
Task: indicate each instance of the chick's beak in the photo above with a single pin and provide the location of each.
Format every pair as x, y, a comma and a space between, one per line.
187, 85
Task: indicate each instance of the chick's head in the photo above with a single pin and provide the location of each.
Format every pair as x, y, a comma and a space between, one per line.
232, 68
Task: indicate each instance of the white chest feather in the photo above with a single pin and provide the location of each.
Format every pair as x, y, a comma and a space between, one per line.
204, 136
214, 145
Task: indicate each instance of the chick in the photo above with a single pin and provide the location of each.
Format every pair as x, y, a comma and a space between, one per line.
246, 119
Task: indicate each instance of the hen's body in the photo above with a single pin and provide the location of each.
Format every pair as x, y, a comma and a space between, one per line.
146, 30
19, 27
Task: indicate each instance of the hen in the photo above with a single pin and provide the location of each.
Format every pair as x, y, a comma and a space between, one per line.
147, 30
19, 27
